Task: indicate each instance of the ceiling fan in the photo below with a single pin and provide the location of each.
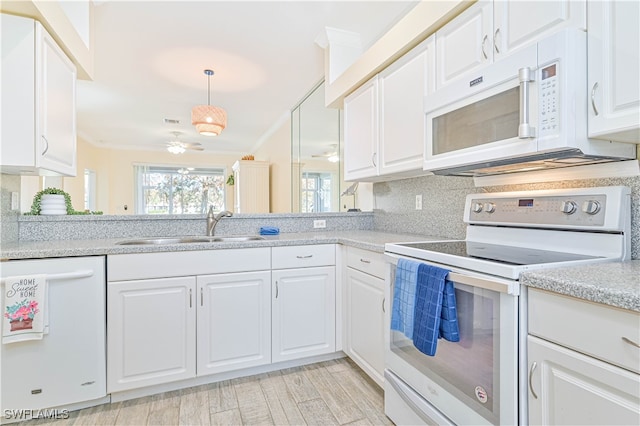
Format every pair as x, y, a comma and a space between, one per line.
332, 156
176, 146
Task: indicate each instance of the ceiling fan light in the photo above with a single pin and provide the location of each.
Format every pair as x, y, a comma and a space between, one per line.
333, 158
176, 148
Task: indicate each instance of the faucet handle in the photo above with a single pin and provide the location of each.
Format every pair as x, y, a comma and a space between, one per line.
210, 214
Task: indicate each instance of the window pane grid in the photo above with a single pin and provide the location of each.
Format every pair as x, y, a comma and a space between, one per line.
178, 190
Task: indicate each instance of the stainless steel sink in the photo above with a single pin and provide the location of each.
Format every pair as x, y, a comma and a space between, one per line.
186, 240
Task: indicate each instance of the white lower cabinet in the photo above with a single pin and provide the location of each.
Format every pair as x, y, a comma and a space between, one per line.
583, 362
364, 311
234, 321
177, 315
303, 312
151, 333
365, 322
567, 387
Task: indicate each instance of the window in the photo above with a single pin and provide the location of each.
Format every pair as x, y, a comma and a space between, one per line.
178, 190
316, 192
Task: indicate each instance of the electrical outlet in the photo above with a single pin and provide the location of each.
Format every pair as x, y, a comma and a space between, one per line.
418, 202
319, 223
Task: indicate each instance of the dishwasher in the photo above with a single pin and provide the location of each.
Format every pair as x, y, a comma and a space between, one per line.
67, 367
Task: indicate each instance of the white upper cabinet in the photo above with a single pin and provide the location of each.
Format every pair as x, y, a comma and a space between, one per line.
489, 30
38, 99
384, 119
464, 44
518, 23
361, 132
403, 86
614, 69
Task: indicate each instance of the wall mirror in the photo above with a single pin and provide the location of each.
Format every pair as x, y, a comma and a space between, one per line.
316, 178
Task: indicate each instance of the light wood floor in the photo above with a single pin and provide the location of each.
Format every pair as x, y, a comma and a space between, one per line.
327, 393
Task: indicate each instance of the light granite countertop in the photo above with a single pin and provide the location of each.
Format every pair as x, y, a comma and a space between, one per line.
367, 240
616, 284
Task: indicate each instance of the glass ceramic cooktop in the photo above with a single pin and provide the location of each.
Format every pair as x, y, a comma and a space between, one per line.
497, 253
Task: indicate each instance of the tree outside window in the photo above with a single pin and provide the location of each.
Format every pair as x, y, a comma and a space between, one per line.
179, 190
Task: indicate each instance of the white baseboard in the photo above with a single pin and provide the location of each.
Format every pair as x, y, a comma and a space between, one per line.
212, 378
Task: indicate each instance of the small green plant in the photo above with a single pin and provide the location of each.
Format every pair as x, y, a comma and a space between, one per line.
36, 206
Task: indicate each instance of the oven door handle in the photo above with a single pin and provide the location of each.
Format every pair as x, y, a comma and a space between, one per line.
393, 380
511, 288
480, 283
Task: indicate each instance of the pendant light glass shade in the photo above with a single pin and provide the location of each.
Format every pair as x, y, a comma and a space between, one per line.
209, 120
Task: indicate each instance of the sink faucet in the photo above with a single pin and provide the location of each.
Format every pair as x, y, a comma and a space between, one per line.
212, 220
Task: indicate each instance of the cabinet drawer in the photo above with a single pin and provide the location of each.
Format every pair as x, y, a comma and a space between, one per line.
303, 256
591, 328
366, 261
122, 267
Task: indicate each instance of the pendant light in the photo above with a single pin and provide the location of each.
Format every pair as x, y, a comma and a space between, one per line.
209, 120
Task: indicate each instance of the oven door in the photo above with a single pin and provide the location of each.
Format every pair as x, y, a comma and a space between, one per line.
475, 380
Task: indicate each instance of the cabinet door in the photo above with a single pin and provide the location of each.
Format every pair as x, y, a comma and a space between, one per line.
234, 321
465, 43
303, 313
361, 132
566, 387
18, 93
56, 85
519, 23
613, 70
403, 86
151, 332
365, 322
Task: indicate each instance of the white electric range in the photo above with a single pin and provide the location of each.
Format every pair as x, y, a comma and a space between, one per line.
482, 378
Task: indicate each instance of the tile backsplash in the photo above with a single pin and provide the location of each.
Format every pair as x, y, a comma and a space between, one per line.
443, 199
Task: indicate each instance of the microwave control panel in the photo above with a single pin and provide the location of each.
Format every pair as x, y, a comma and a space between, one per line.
549, 100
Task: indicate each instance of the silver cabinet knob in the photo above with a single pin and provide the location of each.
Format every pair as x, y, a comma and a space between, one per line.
476, 207
591, 207
489, 207
569, 207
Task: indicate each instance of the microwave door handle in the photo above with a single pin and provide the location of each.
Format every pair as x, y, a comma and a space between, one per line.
525, 130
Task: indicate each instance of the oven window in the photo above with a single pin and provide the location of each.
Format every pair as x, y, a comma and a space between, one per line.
468, 369
492, 119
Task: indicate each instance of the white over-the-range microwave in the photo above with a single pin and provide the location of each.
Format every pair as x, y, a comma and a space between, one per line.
527, 111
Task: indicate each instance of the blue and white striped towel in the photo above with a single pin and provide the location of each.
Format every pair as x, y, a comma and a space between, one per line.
404, 297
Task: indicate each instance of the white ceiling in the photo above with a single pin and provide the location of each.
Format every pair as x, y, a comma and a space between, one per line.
150, 58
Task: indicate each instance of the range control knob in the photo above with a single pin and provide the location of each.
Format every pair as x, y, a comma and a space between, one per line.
489, 207
591, 207
476, 207
569, 207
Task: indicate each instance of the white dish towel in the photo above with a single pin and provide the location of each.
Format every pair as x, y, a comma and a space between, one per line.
24, 308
